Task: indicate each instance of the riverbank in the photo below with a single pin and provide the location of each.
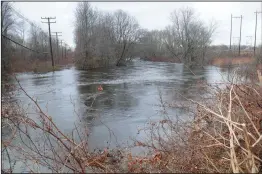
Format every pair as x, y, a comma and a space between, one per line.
39, 66
216, 61
232, 61
161, 59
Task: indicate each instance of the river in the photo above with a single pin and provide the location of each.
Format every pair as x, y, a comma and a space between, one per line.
129, 100
130, 96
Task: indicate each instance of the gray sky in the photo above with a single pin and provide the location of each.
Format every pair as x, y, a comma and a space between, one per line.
152, 15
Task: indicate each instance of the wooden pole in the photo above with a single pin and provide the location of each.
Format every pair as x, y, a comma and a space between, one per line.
57, 43
255, 42
240, 35
50, 39
230, 33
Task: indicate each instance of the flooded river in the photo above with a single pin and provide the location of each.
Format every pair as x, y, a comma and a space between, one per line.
130, 96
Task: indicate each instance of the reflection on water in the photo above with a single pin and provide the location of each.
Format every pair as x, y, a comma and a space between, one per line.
129, 98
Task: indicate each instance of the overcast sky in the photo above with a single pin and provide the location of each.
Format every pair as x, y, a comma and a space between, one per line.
152, 15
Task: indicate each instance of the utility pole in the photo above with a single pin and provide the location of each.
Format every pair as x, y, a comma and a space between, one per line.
57, 45
61, 47
230, 33
261, 33
256, 32
240, 35
240, 32
50, 40
65, 50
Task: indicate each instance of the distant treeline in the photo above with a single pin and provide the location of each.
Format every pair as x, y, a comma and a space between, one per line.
107, 39
111, 39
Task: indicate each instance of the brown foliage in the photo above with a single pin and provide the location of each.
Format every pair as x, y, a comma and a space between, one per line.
162, 59
232, 61
19, 65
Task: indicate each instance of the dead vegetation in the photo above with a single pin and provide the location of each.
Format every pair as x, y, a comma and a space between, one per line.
38, 66
231, 139
232, 61
225, 136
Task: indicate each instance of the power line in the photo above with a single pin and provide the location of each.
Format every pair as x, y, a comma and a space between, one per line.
240, 31
50, 40
18, 14
57, 41
26, 19
22, 45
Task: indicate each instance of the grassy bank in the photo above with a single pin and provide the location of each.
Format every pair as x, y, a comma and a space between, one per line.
39, 66
232, 61
162, 59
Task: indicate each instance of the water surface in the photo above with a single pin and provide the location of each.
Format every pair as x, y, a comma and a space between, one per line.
130, 96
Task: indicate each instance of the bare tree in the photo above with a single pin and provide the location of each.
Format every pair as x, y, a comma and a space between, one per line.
21, 38
190, 36
126, 34
7, 22
152, 44
186, 39
104, 39
86, 19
